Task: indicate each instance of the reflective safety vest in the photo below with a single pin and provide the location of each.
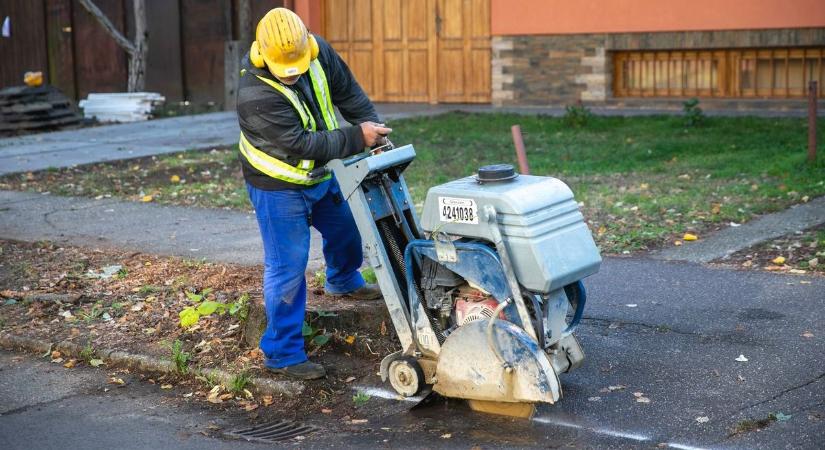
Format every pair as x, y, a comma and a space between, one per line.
276, 168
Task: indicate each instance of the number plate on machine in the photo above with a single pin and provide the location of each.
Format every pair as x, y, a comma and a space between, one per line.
458, 210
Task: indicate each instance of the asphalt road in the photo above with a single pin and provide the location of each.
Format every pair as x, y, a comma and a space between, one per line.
677, 347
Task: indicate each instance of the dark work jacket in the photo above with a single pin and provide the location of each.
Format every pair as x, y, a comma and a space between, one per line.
272, 125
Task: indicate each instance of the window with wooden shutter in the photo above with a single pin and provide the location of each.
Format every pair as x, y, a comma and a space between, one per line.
767, 73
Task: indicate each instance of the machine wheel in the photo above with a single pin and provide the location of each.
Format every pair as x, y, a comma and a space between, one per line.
406, 376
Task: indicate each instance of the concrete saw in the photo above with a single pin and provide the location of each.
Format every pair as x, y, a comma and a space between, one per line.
485, 290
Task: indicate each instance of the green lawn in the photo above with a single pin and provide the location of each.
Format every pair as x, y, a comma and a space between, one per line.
642, 181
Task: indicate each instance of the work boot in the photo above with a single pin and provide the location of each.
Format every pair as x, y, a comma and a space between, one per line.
306, 370
368, 291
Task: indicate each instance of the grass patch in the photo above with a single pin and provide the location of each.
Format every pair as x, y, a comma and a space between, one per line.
360, 399
179, 357
643, 181
239, 382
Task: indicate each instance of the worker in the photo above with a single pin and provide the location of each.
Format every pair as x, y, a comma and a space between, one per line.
290, 81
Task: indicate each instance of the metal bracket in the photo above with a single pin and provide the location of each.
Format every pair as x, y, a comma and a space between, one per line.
444, 248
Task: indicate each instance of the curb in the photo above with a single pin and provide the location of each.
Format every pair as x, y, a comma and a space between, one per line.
146, 363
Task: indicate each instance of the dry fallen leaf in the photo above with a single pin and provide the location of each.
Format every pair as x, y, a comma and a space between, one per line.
146, 198
116, 380
166, 386
446, 436
677, 243
71, 363
349, 380
703, 419
779, 260
594, 399
741, 358
807, 334
174, 179
642, 400
267, 400
638, 394
250, 407
689, 237
350, 339
326, 411
358, 421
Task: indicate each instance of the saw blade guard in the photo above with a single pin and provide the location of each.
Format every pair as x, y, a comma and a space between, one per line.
470, 368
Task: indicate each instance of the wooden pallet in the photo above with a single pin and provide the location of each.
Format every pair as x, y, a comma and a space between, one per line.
24, 108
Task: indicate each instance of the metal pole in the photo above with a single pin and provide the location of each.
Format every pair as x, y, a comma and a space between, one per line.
521, 154
812, 91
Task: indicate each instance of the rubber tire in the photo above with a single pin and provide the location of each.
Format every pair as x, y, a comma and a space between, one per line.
415, 370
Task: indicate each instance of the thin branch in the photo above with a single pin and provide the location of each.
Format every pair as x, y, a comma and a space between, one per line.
121, 40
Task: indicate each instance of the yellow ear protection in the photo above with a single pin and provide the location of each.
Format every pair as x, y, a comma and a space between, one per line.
313, 48
257, 59
255, 56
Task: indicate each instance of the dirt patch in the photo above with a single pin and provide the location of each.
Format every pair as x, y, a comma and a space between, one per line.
131, 301
801, 253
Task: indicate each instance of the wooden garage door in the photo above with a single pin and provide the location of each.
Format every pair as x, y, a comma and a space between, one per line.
414, 50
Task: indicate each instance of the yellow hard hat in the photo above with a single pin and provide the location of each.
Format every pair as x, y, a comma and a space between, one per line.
283, 44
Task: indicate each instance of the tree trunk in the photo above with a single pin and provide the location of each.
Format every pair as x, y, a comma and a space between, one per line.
137, 58
136, 50
245, 34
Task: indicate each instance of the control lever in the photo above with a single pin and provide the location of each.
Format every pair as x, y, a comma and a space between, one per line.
323, 171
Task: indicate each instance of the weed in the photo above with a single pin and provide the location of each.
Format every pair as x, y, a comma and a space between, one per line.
748, 425
369, 275
195, 297
208, 378
194, 263
239, 382
191, 314
314, 335
148, 289
179, 357
240, 307
662, 328
94, 313
360, 399
180, 281
88, 352
320, 278
577, 115
122, 273
694, 116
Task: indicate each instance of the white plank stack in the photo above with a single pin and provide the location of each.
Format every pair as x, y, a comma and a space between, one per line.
122, 106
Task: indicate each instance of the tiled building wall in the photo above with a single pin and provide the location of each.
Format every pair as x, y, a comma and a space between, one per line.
539, 70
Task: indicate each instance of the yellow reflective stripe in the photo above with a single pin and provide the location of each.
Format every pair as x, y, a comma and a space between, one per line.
274, 167
321, 87
307, 120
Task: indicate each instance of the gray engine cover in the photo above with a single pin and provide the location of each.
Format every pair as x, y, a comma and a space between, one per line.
541, 225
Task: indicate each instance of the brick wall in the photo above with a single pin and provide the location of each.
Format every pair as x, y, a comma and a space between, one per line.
542, 70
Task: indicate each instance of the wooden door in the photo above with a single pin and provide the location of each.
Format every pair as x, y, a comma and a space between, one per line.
414, 50
463, 35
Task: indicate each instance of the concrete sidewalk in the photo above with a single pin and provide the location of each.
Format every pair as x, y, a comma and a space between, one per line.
213, 234
114, 142
233, 236
730, 240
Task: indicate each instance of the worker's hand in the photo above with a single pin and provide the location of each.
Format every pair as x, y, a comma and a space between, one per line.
374, 133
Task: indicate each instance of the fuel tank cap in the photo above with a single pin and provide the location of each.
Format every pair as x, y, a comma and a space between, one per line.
496, 173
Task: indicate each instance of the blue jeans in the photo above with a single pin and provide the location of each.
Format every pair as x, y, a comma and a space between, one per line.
284, 218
